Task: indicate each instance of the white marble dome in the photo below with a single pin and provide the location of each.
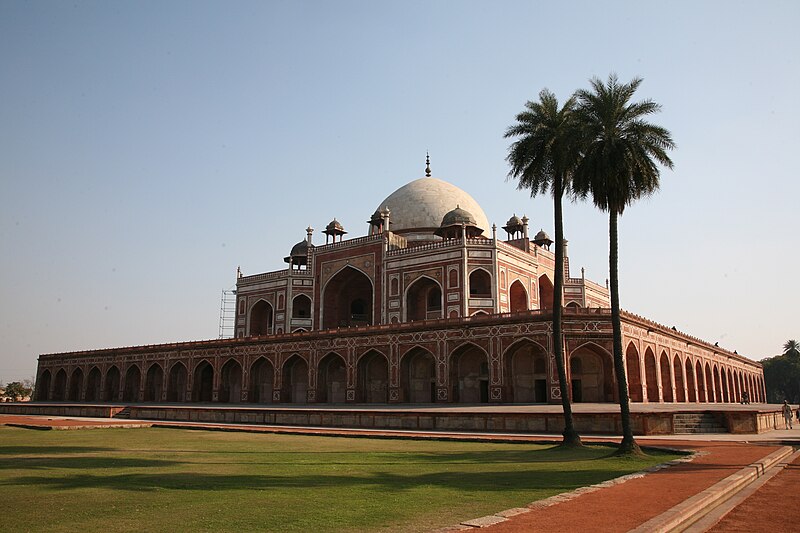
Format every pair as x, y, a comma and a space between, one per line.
417, 208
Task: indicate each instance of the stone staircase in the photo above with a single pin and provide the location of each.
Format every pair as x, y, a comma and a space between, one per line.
688, 423
124, 413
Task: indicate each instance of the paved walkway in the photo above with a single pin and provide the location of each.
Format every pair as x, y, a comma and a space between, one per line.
616, 508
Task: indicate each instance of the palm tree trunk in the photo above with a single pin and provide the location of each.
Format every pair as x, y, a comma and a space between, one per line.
571, 437
628, 444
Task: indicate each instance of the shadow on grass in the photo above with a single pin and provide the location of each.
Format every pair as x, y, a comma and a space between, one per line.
50, 450
47, 463
379, 481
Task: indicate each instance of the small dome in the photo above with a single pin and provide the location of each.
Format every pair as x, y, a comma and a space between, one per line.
301, 248
542, 236
458, 216
334, 225
514, 221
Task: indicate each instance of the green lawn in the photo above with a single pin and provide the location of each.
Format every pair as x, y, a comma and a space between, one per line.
168, 480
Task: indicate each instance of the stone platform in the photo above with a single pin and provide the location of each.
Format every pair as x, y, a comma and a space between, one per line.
590, 418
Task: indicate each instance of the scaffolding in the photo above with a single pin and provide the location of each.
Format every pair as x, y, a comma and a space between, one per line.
227, 314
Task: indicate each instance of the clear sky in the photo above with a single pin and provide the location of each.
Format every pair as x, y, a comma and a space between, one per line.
149, 148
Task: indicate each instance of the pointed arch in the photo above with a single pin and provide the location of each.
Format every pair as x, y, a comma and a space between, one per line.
525, 363
666, 380
423, 299
332, 379
60, 386
262, 380
518, 300
651, 375
112, 384
295, 380
230, 384
93, 379
261, 318
75, 385
176, 384
591, 374
43, 386
634, 373
153, 383
373, 377
691, 383
347, 299
133, 380
480, 283
301, 306
680, 387
418, 376
717, 384
702, 393
710, 398
546, 292
469, 374
203, 382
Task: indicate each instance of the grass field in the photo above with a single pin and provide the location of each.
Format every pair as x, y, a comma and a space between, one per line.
181, 480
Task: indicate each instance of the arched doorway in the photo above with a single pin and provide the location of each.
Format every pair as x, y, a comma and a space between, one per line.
112, 384
666, 380
60, 386
709, 384
634, 374
43, 386
230, 390
690, 381
75, 385
469, 375
526, 366
301, 306
203, 387
651, 375
176, 386
717, 385
332, 379
373, 378
423, 300
418, 376
261, 317
702, 395
93, 385
347, 300
591, 375
517, 297
480, 284
153, 383
262, 381
133, 378
680, 389
295, 380
546, 292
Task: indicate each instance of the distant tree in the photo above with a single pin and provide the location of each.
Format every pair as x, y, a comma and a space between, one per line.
620, 156
782, 374
17, 391
791, 347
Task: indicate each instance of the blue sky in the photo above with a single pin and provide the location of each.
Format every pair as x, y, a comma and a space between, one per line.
147, 149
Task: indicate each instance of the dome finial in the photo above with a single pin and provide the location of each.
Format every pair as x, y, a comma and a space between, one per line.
427, 165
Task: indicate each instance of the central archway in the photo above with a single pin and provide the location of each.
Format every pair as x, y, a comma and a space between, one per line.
332, 379
93, 385
153, 383
75, 385
262, 378
176, 386
418, 376
261, 318
373, 377
133, 378
347, 300
203, 388
526, 363
112, 384
469, 375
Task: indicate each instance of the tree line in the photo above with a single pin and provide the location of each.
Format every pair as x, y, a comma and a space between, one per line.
782, 374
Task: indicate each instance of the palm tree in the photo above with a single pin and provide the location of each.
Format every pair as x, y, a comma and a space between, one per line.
620, 153
543, 159
791, 347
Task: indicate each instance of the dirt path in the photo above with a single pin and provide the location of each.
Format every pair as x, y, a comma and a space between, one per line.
625, 506
775, 507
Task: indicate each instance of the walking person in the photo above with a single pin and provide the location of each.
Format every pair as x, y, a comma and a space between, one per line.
787, 414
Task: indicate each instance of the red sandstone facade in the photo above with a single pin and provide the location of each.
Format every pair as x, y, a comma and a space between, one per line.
425, 308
